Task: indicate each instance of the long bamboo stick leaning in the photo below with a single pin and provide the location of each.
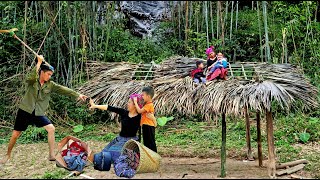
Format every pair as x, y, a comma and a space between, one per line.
11, 32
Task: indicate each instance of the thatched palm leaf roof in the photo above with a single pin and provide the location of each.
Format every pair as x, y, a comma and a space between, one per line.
176, 92
290, 78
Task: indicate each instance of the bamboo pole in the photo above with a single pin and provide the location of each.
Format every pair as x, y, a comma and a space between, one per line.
264, 6
237, 12
222, 23
316, 12
56, 26
53, 21
24, 34
312, 38
14, 16
226, 17
223, 146
35, 4
271, 149
259, 138
179, 18
211, 19
232, 3
207, 25
260, 37
197, 16
292, 163
94, 24
218, 5
109, 24
186, 26
249, 151
190, 15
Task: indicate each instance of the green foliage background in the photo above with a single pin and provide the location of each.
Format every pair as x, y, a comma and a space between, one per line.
113, 42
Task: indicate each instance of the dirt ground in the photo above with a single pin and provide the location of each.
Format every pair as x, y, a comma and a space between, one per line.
30, 161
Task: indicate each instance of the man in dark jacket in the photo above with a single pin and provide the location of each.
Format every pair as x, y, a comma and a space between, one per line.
34, 104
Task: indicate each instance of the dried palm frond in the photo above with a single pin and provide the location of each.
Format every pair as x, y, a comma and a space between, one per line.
176, 67
291, 78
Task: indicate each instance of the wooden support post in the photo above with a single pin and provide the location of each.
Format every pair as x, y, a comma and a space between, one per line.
259, 138
271, 149
230, 70
244, 72
249, 151
150, 69
223, 146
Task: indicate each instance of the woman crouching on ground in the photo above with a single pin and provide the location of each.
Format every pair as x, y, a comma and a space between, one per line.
130, 125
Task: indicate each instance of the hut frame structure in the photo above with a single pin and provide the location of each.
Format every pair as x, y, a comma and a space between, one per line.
284, 83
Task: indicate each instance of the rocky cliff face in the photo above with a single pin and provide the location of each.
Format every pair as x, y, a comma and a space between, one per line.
143, 16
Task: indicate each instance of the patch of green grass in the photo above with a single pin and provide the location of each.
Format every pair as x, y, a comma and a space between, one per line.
313, 166
56, 174
198, 137
194, 138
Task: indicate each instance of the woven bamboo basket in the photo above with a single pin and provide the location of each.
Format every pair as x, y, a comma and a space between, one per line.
149, 160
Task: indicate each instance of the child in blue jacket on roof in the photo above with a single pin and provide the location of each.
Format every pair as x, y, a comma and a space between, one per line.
220, 63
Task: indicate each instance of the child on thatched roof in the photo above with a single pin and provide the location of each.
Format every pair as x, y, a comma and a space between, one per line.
197, 74
220, 63
148, 123
219, 69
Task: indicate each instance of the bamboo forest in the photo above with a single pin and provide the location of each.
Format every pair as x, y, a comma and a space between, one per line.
159, 89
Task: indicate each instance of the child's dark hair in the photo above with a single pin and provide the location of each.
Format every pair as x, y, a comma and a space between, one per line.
198, 63
148, 90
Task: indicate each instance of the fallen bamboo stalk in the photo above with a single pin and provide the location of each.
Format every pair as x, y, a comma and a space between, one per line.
292, 163
298, 177
73, 173
209, 162
291, 170
86, 176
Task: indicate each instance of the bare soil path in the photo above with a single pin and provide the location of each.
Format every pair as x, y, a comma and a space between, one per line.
30, 161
